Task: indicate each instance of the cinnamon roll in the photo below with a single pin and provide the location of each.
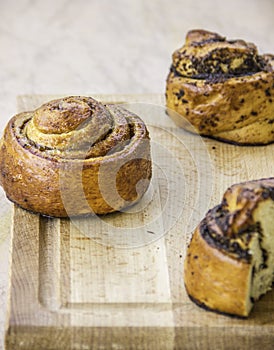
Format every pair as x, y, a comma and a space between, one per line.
230, 260
222, 89
75, 156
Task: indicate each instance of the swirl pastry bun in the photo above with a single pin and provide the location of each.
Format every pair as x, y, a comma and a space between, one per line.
75, 156
230, 259
222, 89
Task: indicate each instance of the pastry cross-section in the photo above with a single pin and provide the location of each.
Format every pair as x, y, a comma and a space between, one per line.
230, 259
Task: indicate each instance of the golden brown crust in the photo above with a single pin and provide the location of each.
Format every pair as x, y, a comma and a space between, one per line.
75, 156
234, 214
216, 280
222, 89
220, 264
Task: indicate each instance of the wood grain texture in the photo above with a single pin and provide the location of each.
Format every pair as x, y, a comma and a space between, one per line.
116, 282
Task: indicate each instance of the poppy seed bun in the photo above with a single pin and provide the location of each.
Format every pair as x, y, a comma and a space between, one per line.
222, 89
230, 259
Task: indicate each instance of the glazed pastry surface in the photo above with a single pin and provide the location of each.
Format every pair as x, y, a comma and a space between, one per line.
75, 156
222, 89
230, 259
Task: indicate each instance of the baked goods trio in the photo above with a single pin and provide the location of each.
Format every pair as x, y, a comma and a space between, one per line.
230, 259
75, 156
222, 89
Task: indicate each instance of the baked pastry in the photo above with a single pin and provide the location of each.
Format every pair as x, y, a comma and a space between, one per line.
230, 259
222, 89
75, 156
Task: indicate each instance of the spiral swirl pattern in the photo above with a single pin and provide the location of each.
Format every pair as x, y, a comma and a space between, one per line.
68, 135
222, 88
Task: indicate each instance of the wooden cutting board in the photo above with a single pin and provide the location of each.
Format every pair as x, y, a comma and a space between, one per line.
116, 282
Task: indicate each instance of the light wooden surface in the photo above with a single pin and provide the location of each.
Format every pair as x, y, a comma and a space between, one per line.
116, 282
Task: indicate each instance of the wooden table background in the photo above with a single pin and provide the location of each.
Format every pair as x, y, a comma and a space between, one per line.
67, 47
91, 283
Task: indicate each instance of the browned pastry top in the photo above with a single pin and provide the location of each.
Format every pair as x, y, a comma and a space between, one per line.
73, 127
207, 55
229, 226
222, 89
58, 116
74, 156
